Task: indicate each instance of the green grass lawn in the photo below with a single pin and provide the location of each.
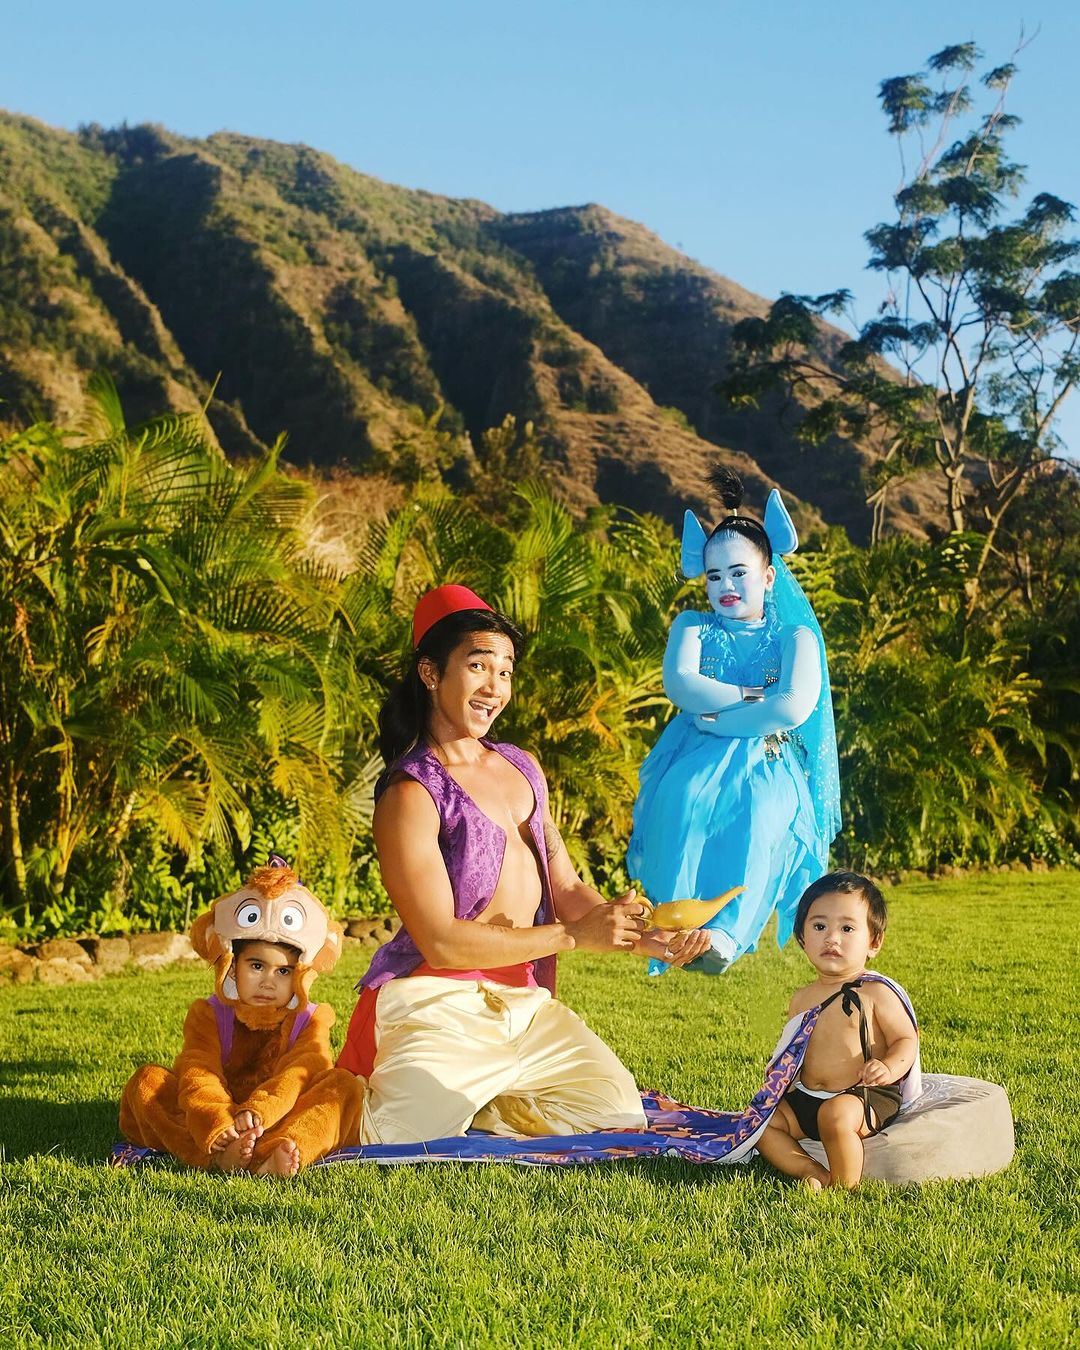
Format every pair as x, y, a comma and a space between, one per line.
623, 1254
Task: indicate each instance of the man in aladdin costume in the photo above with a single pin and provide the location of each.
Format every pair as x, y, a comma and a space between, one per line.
457, 1026
254, 1087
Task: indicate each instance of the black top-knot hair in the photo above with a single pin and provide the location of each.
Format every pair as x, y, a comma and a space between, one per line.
728, 486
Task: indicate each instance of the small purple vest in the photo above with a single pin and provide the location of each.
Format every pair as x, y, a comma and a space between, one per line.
225, 1016
472, 846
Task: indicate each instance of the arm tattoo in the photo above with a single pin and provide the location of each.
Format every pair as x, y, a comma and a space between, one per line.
552, 839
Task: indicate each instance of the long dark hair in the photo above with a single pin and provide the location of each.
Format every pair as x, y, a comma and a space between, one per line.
403, 717
728, 486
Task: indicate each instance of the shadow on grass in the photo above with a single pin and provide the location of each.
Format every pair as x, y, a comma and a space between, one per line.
688, 1175
17, 1071
81, 1131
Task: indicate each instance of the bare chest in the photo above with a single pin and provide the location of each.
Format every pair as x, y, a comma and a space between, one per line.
505, 796
500, 790
834, 1055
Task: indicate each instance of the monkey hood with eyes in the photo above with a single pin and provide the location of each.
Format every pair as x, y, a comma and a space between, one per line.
271, 906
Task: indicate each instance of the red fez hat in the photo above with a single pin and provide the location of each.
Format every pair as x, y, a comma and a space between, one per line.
440, 602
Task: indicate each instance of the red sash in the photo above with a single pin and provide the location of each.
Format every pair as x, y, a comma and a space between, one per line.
358, 1053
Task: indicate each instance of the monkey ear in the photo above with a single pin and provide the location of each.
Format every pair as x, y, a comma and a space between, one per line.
302, 982
204, 939
326, 958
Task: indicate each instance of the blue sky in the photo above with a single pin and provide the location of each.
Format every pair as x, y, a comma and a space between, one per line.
747, 135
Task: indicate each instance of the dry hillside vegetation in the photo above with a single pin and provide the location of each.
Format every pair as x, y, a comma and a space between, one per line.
384, 330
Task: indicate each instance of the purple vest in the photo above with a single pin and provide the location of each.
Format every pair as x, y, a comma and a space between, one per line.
472, 846
225, 1016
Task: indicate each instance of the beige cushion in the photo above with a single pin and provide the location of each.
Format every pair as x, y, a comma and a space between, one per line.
958, 1127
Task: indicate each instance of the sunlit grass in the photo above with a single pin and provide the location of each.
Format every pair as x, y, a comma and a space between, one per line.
626, 1254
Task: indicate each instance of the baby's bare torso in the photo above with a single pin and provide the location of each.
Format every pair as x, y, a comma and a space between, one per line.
504, 795
834, 1057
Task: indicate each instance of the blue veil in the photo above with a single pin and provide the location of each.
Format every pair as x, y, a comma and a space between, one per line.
818, 732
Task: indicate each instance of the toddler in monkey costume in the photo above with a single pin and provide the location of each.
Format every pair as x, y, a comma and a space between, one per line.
253, 1088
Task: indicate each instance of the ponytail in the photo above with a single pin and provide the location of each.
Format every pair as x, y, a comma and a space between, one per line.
403, 716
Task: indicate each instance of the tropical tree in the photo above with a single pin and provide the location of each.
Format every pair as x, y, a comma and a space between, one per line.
942, 746
168, 660
186, 681
976, 345
598, 601
507, 456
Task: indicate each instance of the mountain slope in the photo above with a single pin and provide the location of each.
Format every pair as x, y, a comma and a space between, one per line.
381, 328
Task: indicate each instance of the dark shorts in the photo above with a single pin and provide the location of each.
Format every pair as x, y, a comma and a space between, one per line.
883, 1104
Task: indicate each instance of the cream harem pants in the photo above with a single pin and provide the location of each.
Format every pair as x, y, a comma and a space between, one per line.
456, 1053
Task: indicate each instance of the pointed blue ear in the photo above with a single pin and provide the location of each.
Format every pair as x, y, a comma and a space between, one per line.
779, 526
693, 547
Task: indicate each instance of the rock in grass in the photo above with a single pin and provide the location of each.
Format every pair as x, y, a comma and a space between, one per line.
372, 932
16, 967
64, 949
110, 955
59, 970
153, 951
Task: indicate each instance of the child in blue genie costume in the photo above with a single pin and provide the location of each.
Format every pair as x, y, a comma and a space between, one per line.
742, 786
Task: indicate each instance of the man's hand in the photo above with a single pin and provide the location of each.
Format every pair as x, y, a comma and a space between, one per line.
614, 927
673, 947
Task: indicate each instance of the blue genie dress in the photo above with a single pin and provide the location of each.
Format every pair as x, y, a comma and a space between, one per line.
738, 793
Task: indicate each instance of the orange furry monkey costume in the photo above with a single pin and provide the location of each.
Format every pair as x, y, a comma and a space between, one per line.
239, 1057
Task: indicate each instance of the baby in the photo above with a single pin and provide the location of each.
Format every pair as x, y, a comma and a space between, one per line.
253, 1088
863, 1043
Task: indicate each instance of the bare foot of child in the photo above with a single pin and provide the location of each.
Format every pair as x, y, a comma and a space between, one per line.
812, 1184
283, 1162
236, 1155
